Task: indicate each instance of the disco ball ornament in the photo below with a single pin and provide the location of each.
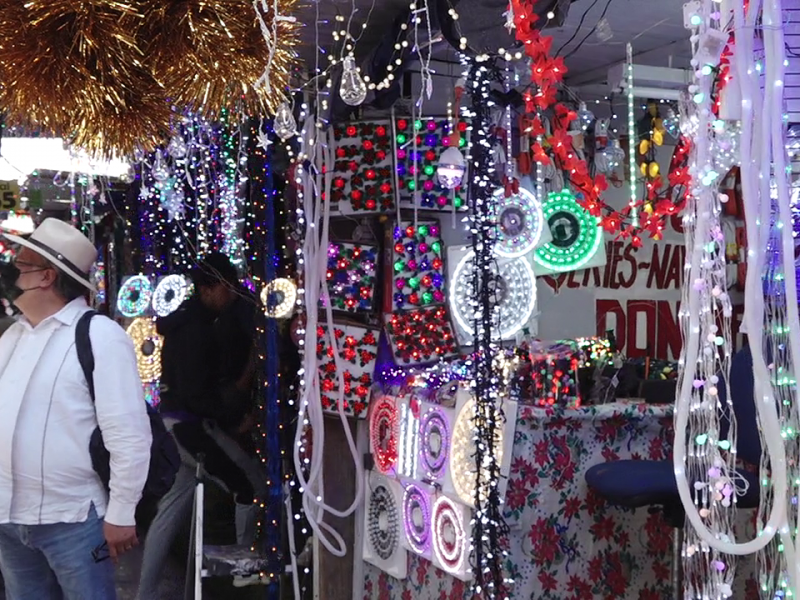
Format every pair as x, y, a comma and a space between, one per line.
353, 90
285, 126
671, 122
450, 171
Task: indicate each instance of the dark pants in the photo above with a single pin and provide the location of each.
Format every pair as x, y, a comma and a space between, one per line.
194, 439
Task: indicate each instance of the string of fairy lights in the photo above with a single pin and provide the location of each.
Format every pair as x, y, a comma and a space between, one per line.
212, 187
488, 527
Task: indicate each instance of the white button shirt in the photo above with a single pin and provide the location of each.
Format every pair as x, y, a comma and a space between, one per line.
47, 418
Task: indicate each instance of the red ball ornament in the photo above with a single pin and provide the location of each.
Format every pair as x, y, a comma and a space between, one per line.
351, 131
386, 188
356, 195
402, 124
399, 248
409, 232
380, 154
430, 155
380, 130
368, 145
341, 153
462, 127
370, 174
339, 183
371, 204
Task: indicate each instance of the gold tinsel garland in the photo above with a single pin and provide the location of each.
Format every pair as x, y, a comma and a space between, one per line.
104, 74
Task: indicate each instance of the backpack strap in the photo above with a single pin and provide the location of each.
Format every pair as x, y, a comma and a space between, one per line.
83, 346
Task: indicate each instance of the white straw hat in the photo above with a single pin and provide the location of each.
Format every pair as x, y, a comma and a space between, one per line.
64, 246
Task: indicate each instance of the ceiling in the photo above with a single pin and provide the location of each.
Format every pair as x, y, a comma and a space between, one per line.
655, 30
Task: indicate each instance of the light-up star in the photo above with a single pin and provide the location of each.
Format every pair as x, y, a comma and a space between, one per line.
144, 193
263, 140
509, 15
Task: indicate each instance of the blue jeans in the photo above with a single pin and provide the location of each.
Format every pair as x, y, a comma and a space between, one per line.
59, 561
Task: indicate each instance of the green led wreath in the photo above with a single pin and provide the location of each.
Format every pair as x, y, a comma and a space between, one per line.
577, 235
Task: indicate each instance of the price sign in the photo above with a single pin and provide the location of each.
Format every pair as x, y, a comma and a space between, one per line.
9, 195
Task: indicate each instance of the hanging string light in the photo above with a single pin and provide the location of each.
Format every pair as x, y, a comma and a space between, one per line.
488, 526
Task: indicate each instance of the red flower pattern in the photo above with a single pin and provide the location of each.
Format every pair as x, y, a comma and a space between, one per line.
568, 543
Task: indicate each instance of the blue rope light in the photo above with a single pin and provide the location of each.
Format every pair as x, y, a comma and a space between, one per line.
271, 427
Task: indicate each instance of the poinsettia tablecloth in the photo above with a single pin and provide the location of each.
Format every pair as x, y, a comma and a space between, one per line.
566, 543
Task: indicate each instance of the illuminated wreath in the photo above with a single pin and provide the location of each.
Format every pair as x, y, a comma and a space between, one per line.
462, 453
147, 344
383, 523
435, 434
134, 296
577, 235
170, 294
279, 297
449, 536
417, 519
520, 222
515, 290
383, 432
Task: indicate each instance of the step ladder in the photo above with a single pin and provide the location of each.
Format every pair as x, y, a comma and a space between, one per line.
214, 561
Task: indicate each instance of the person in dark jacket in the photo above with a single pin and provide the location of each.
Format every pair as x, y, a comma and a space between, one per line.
207, 400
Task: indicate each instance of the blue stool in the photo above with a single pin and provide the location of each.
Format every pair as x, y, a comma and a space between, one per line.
651, 483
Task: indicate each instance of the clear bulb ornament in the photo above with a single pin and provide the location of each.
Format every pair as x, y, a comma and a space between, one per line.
160, 170
353, 90
451, 168
610, 157
285, 126
585, 116
672, 122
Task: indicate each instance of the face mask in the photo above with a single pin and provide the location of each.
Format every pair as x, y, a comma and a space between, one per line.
9, 290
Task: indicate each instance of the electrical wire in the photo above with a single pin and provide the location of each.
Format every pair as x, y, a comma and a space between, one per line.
577, 29
591, 31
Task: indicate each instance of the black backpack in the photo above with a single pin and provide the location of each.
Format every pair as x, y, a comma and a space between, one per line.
164, 458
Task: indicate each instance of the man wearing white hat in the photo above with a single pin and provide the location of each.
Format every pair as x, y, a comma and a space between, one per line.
57, 522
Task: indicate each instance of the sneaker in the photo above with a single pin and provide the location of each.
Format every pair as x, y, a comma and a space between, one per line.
240, 581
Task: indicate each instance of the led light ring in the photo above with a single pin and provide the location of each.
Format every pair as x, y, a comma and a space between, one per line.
147, 344
134, 296
449, 536
520, 222
170, 294
384, 433
417, 519
462, 453
286, 290
434, 423
516, 295
383, 522
583, 238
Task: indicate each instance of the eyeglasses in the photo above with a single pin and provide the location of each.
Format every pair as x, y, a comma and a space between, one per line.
35, 266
